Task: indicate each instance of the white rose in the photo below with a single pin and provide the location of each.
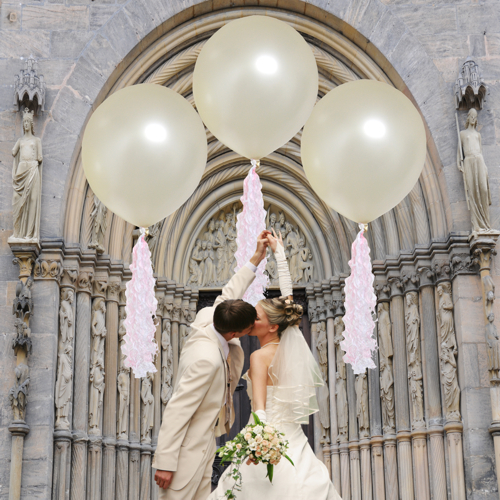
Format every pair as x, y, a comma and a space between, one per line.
258, 429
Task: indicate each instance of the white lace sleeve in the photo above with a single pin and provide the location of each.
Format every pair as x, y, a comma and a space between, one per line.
283, 272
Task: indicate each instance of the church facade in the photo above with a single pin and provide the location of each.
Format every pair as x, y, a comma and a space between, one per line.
75, 424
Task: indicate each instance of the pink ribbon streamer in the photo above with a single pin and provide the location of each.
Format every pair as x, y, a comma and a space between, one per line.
140, 346
250, 223
360, 301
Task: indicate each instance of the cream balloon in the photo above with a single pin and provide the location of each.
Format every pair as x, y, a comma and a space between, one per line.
363, 149
255, 84
144, 152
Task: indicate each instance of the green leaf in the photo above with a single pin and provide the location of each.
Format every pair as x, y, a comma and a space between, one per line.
256, 418
289, 459
270, 472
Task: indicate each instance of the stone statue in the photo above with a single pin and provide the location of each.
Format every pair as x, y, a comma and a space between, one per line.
271, 222
445, 316
123, 385
18, 395
417, 402
167, 365
23, 335
220, 252
23, 303
122, 315
450, 383
493, 347
322, 348
64, 386
195, 270
279, 226
341, 382
323, 393
361, 386
209, 235
291, 244
475, 173
98, 330
98, 327
95, 399
305, 264
412, 318
99, 222
27, 184
147, 414
66, 315
272, 268
209, 271
386, 377
489, 291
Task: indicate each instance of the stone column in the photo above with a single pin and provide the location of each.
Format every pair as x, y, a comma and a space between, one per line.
176, 318
64, 385
110, 390
354, 464
184, 318
147, 424
405, 466
416, 389
448, 351
81, 381
25, 256
134, 467
97, 380
430, 355
123, 404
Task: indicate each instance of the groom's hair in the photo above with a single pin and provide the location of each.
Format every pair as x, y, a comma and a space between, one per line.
234, 316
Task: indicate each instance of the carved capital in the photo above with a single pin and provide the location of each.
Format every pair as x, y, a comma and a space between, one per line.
84, 281
337, 308
176, 312
427, 276
321, 312
442, 271
397, 285
482, 249
25, 260
113, 291
48, 269
411, 282
313, 314
69, 277
463, 264
122, 295
100, 286
383, 292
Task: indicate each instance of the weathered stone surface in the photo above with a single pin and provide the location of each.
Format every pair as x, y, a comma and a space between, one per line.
423, 20
446, 45
55, 17
478, 19
68, 43
387, 32
71, 110
23, 43
121, 34
10, 16
100, 15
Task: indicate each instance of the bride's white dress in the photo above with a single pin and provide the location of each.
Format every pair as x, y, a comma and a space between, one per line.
307, 480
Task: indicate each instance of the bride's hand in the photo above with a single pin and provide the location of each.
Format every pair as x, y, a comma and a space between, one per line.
274, 240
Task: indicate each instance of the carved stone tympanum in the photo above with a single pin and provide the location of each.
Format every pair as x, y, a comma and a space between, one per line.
27, 184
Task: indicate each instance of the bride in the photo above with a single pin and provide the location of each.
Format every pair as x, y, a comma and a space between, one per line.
281, 385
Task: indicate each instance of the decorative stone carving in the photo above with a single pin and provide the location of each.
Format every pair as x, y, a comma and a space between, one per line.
493, 342
147, 410
469, 89
195, 265
448, 352
167, 364
323, 396
98, 329
18, 395
463, 264
272, 268
48, 269
489, 293
361, 386
23, 336
176, 312
84, 281
386, 371
471, 163
69, 276
22, 307
122, 315
99, 223
65, 359
27, 184
167, 307
123, 386
341, 382
29, 88
100, 286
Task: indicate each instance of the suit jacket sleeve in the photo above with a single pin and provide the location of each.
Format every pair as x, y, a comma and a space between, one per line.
191, 389
235, 289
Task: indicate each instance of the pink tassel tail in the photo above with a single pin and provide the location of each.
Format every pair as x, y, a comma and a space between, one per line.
140, 346
250, 223
360, 301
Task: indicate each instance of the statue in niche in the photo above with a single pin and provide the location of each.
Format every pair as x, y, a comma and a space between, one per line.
27, 184
66, 315
471, 164
64, 386
147, 414
18, 395
23, 303
341, 381
167, 365
386, 377
445, 316
493, 347
123, 385
361, 386
412, 318
305, 265
322, 348
450, 383
489, 292
99, 222
96, 397
220, 251
195, 269
99, 331
415, 378
122, 315
272, 268
323, 393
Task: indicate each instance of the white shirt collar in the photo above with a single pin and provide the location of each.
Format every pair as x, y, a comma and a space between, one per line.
223, 341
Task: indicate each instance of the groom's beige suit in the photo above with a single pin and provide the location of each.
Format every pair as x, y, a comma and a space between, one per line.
196, 413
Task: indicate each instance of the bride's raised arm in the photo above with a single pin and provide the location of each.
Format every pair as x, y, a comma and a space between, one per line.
285, 279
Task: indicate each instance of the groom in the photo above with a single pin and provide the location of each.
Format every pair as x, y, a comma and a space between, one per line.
201, 406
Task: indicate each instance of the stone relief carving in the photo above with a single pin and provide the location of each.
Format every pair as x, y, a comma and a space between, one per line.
386, 371
122, 315
167, 364
212, 260
22, 306
27, 184
412, 318
18, 395
48, 269
448, 352
361, 386
23, 336
147, 410
475, 173
99, 223
153, 236
84, 281
65, 359
469, 89
123, 386
98, 329
324, 395
341, 382
492, 338
29, 87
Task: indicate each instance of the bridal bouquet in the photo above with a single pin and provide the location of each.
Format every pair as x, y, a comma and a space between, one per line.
258, 442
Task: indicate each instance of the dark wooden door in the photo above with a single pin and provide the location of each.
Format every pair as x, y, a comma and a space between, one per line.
241, 401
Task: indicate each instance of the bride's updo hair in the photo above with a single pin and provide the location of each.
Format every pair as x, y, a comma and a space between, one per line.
282, 312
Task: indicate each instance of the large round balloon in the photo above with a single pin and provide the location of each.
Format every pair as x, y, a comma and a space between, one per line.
144, 152
255, 84
363, 148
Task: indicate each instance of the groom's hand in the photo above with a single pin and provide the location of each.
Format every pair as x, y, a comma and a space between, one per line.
260, 252
163, 478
